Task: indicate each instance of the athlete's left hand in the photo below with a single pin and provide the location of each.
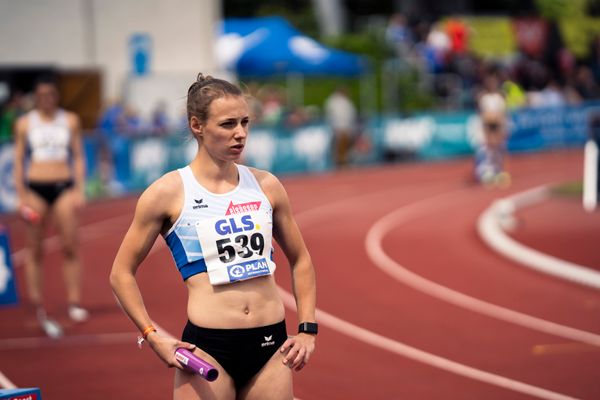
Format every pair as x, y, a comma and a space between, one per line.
297, 350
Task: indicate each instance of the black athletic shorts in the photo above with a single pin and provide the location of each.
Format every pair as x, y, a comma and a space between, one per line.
50, 191
241, 352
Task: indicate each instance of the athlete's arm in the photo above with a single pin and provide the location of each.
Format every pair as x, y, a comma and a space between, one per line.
152, 213
78, 155
19, 173
287, 234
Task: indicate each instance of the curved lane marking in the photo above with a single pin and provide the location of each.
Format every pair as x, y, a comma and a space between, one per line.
490, 230
364, 335
409, 212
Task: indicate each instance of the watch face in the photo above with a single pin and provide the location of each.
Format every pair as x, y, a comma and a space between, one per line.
308, 327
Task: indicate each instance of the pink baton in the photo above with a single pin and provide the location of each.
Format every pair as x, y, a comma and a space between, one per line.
196, 364
29, 214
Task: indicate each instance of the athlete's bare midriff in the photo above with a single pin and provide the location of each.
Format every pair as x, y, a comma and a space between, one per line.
246, 304
49, 171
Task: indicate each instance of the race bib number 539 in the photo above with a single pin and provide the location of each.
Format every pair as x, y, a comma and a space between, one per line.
236, 247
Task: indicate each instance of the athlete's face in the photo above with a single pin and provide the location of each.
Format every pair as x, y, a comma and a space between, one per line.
46, 96
225, 132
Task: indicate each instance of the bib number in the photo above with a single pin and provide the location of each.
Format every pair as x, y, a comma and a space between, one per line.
248, 246
234, 247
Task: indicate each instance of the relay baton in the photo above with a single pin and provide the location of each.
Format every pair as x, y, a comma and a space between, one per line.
29, 214
195, 364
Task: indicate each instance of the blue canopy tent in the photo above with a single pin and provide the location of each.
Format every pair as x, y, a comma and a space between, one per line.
270, 46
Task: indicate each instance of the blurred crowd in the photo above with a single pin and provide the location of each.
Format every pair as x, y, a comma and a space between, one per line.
543, 74
438, 51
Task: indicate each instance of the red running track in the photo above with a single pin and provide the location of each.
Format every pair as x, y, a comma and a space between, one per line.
383, 337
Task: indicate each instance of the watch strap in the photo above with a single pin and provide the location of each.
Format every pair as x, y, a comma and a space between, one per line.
308, 327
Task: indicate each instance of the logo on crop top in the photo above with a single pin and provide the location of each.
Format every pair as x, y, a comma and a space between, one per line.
243, 207
199, 204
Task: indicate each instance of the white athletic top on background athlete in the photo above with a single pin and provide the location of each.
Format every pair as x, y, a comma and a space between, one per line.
492, 103
228, 235
48, 140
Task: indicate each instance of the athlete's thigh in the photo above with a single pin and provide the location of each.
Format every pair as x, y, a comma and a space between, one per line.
36, 202
66, 216
192, 387
272, 382
35, 230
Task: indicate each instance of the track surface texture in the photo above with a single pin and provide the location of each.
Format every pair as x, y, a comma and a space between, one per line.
412, 303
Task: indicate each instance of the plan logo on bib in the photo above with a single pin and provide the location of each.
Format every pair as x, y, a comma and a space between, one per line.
248, 270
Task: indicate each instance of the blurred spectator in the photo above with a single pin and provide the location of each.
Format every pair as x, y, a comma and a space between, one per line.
296, 117
398, 35
13, 109
112, 119
457, 32
160, 120
251, 93
272, 105
572, 96
566, 62
514, 94
133, 122
553, 95
341, 115
594, 58
585, 85
114, 147
438, 46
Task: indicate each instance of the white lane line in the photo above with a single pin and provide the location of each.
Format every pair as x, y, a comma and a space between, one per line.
394, 269
366, 336
5, 382
71, 340
489, 226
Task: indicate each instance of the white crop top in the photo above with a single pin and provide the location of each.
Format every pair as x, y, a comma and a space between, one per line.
228, 235
48, 140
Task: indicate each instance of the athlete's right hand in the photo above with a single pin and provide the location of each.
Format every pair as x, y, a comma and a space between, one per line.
165, 348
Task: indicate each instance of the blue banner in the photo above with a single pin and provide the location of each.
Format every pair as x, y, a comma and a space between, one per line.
445, 135
8, 290
119, 164
550, 128
431, 136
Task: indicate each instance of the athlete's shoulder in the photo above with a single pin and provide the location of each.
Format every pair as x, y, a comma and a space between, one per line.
72, 118
270, 184
265, 178
160, 195
167, 185
22, 123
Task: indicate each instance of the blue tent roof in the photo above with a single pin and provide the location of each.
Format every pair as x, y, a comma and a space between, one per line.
270, 46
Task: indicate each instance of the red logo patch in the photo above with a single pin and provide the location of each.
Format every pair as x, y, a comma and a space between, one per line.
32, 396
244, 207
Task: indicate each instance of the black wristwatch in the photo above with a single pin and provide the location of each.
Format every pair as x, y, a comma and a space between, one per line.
308, 327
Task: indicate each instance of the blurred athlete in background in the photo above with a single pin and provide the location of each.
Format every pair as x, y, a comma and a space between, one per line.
49, 179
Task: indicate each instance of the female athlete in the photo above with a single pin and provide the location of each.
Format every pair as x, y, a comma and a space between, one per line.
218, 219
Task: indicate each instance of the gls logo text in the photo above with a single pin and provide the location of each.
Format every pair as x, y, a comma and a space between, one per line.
231, 225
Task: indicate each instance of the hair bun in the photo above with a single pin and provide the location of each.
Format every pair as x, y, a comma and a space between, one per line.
203, 79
